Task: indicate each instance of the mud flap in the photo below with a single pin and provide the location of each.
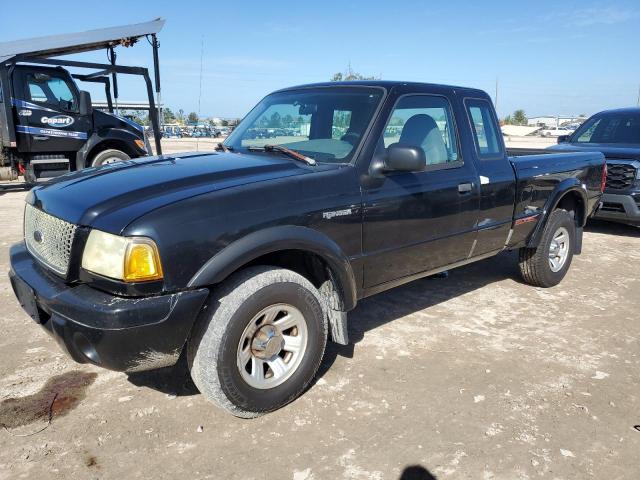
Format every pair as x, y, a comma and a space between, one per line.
338, 326
578, 245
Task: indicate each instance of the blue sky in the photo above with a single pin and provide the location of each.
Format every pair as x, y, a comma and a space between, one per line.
560, 57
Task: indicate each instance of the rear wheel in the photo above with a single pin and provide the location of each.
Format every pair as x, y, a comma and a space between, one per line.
546, 265
259, 341
109, 156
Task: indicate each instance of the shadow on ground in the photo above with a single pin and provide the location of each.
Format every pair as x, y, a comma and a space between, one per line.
416, 472
612, 228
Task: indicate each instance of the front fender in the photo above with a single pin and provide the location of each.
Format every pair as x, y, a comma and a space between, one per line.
274, 239
107, 135
566, 186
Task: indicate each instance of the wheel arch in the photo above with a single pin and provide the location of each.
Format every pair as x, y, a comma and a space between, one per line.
569, 195
298, 248
98, 142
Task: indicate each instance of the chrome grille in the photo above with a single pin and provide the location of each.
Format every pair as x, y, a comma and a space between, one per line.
620, 175
48, 238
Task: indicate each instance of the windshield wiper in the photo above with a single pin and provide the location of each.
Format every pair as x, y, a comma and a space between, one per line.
287, 151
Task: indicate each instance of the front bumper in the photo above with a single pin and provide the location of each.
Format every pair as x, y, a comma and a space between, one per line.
620, 208
118, 333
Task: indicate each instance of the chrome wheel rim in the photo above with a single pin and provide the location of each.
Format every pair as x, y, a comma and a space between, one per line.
559, 249
109, 160
272, 346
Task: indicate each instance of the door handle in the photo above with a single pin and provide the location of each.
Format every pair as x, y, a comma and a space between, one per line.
465, 188
40, 137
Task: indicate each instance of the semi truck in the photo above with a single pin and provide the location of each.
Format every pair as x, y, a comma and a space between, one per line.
48, 125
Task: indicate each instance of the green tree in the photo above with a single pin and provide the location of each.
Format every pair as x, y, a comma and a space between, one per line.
193, 117
507, 120
180, 116
169, 116
519, 118
350, 75
275, 121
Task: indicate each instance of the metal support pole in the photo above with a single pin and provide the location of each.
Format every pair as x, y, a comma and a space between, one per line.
156, 74
153, 114
112, 59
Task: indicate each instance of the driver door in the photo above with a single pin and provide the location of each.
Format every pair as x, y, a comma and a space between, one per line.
47, 110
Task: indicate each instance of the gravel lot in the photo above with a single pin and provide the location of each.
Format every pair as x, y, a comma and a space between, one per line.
471, 376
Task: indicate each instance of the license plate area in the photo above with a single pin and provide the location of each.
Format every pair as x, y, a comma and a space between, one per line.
26, 297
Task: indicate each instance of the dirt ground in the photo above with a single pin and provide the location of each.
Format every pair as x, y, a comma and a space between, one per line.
475, 375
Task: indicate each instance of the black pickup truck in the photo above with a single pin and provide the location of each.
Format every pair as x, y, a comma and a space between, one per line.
247, 260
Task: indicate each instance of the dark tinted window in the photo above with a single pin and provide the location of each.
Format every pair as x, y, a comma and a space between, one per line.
619, 128
52, 90
483, 125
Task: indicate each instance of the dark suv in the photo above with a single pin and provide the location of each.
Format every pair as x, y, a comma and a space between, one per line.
615, 133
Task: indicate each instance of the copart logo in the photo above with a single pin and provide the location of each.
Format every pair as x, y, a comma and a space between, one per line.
57, 121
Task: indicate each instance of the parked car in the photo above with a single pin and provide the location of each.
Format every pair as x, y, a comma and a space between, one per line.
615, 133
555, 131
248, 259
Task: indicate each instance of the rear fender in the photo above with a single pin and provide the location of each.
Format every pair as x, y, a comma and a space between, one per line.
564, 188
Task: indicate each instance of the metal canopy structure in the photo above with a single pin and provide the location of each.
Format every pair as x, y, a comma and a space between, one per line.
70, 43
40, 50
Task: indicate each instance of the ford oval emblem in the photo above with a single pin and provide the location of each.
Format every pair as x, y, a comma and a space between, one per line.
37, 236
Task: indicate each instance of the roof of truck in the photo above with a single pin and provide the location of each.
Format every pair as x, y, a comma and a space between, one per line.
387, 84
69, 43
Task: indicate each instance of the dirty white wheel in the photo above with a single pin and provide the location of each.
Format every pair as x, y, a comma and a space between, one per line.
259, 341
109, 156
272, 346
558, 249
548, 263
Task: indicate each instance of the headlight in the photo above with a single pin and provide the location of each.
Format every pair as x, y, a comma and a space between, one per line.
131, 259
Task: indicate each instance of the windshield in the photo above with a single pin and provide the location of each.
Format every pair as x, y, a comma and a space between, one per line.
326, 124
610, 128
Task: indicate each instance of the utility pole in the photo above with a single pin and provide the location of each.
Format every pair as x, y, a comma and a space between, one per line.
638, 102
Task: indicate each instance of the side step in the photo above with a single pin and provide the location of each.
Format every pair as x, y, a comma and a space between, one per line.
41, 169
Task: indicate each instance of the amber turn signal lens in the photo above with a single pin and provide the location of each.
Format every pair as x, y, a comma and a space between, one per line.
142, 263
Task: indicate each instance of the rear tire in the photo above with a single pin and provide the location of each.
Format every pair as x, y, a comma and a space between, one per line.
546, 265
109, 156
241, 353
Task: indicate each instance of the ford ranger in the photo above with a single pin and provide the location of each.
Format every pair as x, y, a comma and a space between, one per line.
247, 259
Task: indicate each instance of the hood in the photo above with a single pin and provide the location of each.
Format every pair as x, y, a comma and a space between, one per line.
102, 119
611, 152
112, 196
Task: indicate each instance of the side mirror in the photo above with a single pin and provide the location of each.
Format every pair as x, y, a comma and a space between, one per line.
85, 103
405, 158
563, 138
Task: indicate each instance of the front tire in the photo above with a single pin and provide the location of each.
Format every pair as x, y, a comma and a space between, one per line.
109, 156
259, 341
546, 265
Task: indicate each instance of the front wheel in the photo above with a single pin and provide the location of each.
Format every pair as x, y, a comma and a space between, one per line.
546, 265
259, 341
109, 156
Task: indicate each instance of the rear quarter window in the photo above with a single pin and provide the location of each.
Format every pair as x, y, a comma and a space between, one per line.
483, 127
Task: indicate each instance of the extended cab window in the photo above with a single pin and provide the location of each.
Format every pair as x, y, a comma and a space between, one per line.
50, 90
484, 130
426, 122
